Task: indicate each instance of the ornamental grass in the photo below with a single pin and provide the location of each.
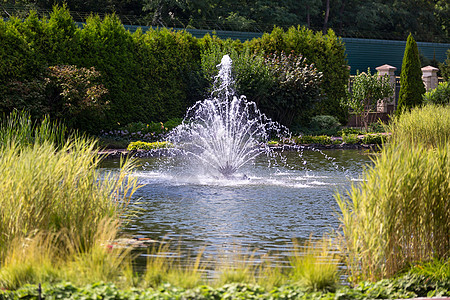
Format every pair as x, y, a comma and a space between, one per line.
54, 199
428, 125
315, 265
399, 214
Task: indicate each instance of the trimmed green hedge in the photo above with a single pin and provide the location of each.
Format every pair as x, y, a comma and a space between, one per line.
151, 76
148, 146
310, 139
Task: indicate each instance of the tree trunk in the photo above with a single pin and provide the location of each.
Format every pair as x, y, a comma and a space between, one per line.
327, 14
341, 16
308, 17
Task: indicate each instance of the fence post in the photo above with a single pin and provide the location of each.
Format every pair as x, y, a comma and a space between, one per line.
429, 77
387, 104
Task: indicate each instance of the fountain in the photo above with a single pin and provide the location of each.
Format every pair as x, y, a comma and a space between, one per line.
194, 192
224, 132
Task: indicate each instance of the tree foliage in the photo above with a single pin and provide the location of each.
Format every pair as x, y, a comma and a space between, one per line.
289, 88
427, 19
411, 84
64, 92
440, 95
74, 91
367, 91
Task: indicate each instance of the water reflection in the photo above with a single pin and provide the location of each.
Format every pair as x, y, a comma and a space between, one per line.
262, 214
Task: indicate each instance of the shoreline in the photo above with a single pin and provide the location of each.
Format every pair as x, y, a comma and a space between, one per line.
122, 153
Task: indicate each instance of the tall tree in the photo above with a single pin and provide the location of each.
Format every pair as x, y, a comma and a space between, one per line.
327, 15
411, 84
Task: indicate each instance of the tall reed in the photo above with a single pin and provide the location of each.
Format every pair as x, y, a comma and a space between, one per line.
102, 261
52, 257
399, 213
429, 125
18, 127
47, 190
52, 187
30, 260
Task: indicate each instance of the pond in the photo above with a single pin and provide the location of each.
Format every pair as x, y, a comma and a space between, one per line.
263, 210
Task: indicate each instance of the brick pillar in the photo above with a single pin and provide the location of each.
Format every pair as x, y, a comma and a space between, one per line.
429, 77
386, 105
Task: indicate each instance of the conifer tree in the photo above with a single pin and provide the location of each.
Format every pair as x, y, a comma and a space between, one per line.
411, 84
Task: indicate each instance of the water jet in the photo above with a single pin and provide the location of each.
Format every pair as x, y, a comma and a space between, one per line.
224, 132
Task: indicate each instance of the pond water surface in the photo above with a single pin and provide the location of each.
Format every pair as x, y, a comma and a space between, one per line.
262, 210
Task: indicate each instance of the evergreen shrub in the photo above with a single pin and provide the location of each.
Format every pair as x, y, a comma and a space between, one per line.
411, 84
350, 138
148, 75
445, 67
309, 139
377, 139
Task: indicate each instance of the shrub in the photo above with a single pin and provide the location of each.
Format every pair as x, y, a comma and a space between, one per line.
350, 138
445, 67
378, 127
75, 93
435, 270
151, 76
324, 124
64, 92
377, 139
25, 95
148, 146
411, 84
327, 52
157, 75
151, 132
283, 86
350, 130
297, 88
440, 95
308, 139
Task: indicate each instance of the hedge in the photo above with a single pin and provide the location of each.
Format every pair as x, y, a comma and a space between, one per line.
151, 76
